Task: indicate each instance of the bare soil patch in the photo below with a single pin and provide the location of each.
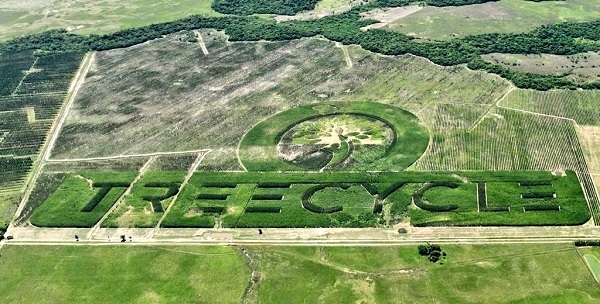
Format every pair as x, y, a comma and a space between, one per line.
389, 15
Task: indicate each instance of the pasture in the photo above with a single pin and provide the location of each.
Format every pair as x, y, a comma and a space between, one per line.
506, 16
539, 273
88, 17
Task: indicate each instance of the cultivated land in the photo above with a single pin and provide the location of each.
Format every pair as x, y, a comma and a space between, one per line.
86, 17
173, 274
506, 16
176, 137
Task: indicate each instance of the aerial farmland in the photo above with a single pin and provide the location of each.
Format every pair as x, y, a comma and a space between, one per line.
307, 151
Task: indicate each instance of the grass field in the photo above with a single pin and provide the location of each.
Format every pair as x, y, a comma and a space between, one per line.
64, 274
506, 16
86, 17
515, 273
471, 274
580, 67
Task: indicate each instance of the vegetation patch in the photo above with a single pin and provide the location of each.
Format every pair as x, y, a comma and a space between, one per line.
334, 199
249, 7
81, 200
261, 148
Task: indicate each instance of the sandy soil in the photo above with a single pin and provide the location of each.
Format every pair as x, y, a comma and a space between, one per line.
387, 16
589, 137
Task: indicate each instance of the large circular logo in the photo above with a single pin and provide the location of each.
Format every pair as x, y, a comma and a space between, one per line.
357, 136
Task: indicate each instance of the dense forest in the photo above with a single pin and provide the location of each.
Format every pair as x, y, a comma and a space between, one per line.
559, 39
249, 7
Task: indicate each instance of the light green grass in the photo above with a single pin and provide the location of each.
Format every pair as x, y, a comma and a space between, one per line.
536, 273
506, 16
115, 274
87, 17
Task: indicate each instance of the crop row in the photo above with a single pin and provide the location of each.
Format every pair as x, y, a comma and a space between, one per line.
324, 200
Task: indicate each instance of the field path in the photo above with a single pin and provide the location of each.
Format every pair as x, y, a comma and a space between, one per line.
126, 156
142, 170
201, 42
187, 178
349, 63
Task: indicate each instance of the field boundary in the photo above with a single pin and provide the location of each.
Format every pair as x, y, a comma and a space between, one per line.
52, 134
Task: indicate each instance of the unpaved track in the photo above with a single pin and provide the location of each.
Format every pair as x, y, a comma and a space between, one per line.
201, 42
66, 160
118, 202
187, 178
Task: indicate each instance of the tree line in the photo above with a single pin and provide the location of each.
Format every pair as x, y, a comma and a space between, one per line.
559, 39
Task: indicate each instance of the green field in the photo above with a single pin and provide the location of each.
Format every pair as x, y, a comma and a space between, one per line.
141, 274
506, 16
88, 17
335, 199
515, 273
259, 152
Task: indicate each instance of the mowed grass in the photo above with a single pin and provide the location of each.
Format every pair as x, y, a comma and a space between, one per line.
531, 273
115, 274
506, 16
87, 17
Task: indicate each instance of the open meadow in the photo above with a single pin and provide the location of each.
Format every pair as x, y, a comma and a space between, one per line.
300, 151
512, 273
505, 16
18, 18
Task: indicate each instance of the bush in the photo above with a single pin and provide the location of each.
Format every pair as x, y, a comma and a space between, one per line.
538, 194
541, 208
273, 185
215, 197
267, 197
212, 209
585, 243
535, 183
219, 185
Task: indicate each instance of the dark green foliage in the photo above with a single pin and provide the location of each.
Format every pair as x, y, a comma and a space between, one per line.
212, 209
219, 185
263, 209
273, 185
372, 189
383, 195
172, 189
541, 208
211, 196
535, 183
560, 39
538, 194
433, 252
249, 7
12, 65
585, 243
267, 197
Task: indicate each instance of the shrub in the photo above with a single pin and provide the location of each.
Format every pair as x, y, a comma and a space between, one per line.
212, 209
541, 208
582, 243
263, 209
535, 183
267, 197
538, 194
215, 197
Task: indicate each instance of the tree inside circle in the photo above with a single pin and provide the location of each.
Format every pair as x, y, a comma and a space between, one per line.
336, 141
